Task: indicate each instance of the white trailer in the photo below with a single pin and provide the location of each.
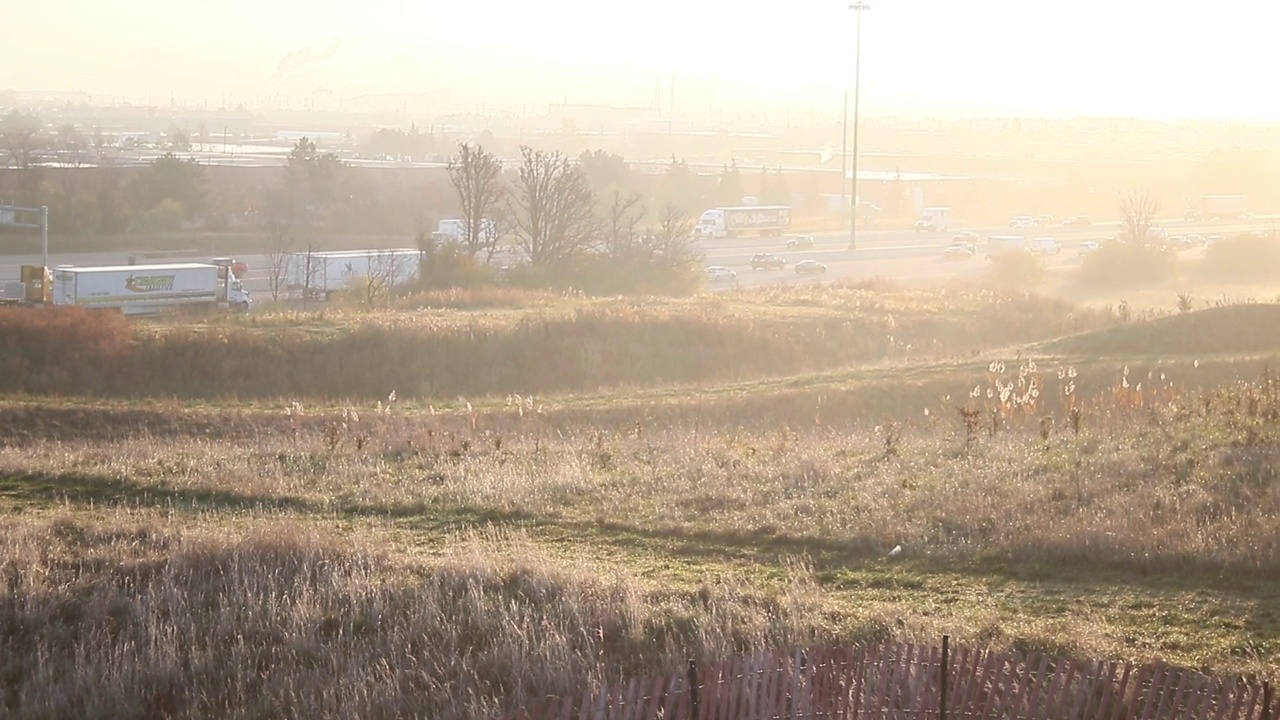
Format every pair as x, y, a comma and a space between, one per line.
321, 274
1001, 244
1215, 207
455, 230
148, 289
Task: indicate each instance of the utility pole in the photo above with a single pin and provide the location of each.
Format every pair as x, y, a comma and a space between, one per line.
844, 149
858, 6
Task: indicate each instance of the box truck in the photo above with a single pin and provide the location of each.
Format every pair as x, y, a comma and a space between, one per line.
141, 289
934, 219
735, 221
321, 274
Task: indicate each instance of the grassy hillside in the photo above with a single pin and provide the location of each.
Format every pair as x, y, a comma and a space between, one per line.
444, 557
1227, 330
573, 346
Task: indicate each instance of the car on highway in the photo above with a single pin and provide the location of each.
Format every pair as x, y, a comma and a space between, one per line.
1247, 216
1177, 242
960, 250
765, 261
1196, 240
800, 241
1087, 247
1077, 221
1022, 222
967, 236
810, 267
1045, 219
1211, 239
720, 273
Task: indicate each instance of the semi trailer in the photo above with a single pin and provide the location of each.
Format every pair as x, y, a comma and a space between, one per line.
322, 274
135, 289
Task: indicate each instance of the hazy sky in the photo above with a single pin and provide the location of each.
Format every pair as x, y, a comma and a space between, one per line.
1163, 59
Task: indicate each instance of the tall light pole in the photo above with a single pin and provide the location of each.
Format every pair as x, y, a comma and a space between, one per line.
857, 7
844, 149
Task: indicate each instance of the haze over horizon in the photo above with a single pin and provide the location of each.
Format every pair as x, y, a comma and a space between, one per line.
1137, 58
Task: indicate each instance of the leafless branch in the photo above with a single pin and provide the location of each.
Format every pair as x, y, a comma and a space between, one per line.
477, 177
557, 220
1138, 210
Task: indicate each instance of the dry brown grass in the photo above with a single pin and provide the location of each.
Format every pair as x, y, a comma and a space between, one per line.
576, 345
138, 617
366, 567
1235, 329
387, 559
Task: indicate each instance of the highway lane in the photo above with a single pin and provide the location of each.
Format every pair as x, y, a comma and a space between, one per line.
910, 270
901, 243
896, 254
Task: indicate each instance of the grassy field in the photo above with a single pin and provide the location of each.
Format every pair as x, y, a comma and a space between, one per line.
1058, 479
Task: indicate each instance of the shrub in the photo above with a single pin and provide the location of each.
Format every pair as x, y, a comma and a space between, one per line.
450, 265
1243, 258
1121, 264
56, 349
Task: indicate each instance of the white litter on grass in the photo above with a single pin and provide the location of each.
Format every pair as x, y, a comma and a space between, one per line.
897, 550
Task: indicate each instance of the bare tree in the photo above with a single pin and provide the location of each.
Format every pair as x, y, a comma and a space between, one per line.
280, 259
1138, 210
387, 269
670, 244
476, 175
506, 232
621, 219
20, 135
310, 271
19, 132
557, 220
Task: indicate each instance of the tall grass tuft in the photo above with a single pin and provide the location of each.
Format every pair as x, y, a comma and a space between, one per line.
139, 618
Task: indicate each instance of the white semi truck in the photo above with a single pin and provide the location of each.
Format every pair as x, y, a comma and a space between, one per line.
725, 222
143, 289
321, 274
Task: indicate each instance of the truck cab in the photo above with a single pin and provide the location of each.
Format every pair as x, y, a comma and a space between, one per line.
230, 287
711, 224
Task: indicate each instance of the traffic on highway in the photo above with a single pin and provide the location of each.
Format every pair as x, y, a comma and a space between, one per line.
913, 256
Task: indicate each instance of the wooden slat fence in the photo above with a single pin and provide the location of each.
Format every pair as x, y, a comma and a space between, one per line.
904, 682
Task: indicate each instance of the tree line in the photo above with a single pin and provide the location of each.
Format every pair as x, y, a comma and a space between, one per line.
545, 220
553, 220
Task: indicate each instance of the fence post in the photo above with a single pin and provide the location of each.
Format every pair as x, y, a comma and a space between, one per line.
693, 689
1266, 700
942, 683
